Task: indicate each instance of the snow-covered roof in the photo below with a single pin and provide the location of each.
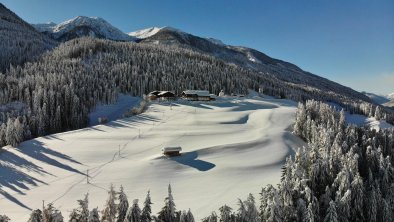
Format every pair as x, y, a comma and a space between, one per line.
196, 92
162, 93
171, 149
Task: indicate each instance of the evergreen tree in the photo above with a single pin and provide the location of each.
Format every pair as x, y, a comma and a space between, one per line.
36, 216
122, 206
331, 215
134, 213
147, 210
94, 215
109, 211
167, 213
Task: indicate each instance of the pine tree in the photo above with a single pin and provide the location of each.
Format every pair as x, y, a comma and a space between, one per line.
211, 218
134, 213
11, 133
109, 211
19, 131
122, 206
146, 210
94, 215
167, 213
4, 218
331, 215
225, 213
36, 216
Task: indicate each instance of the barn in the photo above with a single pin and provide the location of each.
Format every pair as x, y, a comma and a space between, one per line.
196, 95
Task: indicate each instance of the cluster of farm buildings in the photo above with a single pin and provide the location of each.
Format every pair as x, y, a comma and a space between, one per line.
191, 95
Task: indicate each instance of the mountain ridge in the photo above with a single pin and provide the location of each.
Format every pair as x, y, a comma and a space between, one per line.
83, 26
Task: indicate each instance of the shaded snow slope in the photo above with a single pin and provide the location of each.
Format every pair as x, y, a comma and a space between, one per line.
230, 148
45, 27
371, 122
113, 111
379, 99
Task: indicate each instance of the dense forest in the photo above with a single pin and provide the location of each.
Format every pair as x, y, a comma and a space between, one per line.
56, 92
344, 174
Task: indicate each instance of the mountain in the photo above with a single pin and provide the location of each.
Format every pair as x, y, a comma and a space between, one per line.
19, 41
244, 57
390, 96
379, 99
83, 26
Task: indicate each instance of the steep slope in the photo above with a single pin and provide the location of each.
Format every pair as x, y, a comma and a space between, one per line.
83, 26
19, 41
247, 58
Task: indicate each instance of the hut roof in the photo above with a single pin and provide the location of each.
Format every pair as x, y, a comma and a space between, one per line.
166, 94
196, 92
154, 93
171, 149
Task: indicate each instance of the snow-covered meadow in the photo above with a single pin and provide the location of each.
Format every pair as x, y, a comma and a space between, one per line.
231, 147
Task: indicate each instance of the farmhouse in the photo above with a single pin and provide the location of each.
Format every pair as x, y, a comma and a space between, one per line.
166, 95
196, 95
172, 151
162, 95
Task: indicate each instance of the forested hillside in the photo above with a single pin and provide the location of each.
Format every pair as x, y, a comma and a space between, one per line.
58, 91
345, 174
19, 42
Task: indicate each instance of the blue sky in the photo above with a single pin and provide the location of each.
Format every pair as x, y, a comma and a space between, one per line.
350, 42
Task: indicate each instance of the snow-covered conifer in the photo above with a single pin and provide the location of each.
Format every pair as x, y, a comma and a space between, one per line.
122, 206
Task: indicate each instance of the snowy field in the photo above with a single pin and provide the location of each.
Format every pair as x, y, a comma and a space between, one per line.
231, 147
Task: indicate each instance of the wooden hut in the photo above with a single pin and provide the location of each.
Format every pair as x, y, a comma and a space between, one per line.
172, 151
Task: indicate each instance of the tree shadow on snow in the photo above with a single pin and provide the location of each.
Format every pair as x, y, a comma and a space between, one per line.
190, 159
36, 150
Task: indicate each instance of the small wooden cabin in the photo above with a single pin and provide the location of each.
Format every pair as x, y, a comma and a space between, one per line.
172, 151
196, 95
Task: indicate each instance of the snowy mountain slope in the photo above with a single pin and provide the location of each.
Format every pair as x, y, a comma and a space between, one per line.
19, 41
84, 26
390, 96
45, 27
250, 59
144, 33
230, 147
379, 99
